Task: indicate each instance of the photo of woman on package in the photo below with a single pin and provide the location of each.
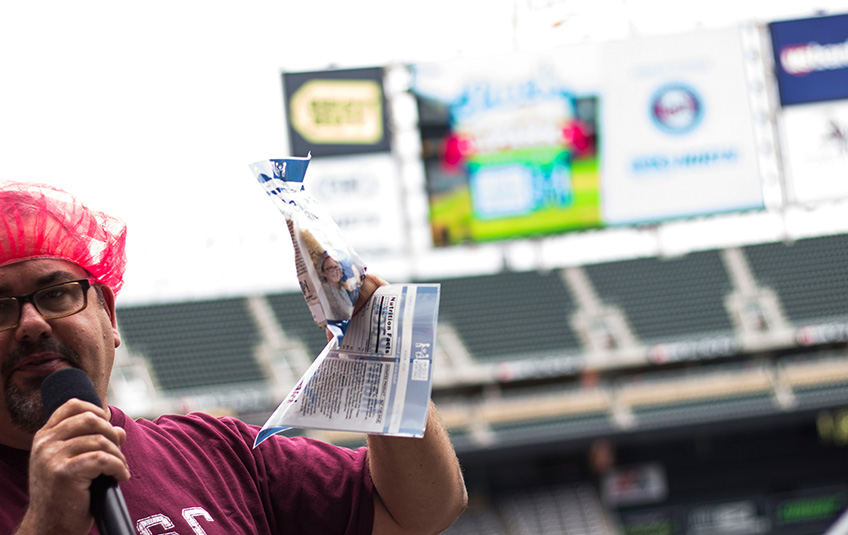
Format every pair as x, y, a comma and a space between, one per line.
340, 280
329, 271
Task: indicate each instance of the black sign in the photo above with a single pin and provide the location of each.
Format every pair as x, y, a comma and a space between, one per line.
336, 112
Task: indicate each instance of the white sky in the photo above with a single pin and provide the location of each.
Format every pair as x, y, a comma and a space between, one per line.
152, 111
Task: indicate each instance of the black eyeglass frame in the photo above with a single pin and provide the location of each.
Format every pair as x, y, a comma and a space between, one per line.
30, 298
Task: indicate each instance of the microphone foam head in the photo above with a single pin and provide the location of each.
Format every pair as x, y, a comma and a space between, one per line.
62, 385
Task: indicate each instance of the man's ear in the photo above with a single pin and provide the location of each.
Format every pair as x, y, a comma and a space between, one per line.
107, 298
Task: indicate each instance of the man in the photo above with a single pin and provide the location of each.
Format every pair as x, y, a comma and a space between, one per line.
61, 266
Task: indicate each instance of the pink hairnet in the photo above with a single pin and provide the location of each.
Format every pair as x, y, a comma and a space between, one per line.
41, 221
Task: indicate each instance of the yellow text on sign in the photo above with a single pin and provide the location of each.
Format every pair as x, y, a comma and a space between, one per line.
338, 111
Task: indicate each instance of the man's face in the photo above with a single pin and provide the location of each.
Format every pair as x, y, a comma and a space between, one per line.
38, 347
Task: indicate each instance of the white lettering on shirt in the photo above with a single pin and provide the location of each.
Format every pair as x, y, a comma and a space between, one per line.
145, 525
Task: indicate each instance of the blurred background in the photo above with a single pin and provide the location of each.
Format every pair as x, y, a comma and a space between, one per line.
636, 212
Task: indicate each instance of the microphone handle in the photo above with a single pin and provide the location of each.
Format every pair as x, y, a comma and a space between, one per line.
108, 507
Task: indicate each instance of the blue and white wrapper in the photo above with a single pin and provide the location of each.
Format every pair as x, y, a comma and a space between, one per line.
378, 380
329, 271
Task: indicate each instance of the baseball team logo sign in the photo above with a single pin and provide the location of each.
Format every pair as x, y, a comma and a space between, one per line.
677, 124
676, 109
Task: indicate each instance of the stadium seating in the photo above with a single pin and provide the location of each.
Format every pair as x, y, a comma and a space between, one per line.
195, 344
667, 298
523, 321
516, 373
809, 275
505, 315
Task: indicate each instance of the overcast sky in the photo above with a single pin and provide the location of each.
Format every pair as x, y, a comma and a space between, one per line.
153, 110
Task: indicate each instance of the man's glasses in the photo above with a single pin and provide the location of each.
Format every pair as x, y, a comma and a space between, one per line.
54, 301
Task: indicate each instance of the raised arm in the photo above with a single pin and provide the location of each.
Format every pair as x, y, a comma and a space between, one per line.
420, 488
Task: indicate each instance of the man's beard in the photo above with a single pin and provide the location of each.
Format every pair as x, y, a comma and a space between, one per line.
24, 404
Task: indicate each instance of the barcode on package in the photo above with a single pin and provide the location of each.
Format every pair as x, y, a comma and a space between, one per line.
420, 369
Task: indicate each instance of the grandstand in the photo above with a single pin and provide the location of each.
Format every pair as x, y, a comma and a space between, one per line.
718, 377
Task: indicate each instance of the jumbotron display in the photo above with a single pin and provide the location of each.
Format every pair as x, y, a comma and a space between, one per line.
507, 157
621, 133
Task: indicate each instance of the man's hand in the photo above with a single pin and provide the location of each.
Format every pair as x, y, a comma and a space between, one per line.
367, 289
76, 445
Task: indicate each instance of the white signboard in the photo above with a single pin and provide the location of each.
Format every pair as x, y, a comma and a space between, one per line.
815, 151
362, 194
638, 484
677, 128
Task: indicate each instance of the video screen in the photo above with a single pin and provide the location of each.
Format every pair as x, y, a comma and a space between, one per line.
510, 161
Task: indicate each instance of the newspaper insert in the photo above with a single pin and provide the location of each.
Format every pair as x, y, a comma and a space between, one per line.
378, 380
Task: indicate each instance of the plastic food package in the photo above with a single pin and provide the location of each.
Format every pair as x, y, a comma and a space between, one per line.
378, 380
374, 376
329, 271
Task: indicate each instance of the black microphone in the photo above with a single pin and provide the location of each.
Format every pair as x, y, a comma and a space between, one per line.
107, 501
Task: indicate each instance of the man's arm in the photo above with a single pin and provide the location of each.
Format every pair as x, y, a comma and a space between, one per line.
420, 488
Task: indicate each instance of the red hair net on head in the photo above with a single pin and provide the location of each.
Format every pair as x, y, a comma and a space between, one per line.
41, 221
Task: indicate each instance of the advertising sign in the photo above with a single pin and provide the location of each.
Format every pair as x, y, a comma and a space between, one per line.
740, 517
678, 132
807, 511
815, 151
811, 59
637, 484
510, 145
336, 112
664, 521
363, 196
590, 136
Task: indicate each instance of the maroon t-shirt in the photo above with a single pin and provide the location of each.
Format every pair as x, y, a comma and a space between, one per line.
195, 475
